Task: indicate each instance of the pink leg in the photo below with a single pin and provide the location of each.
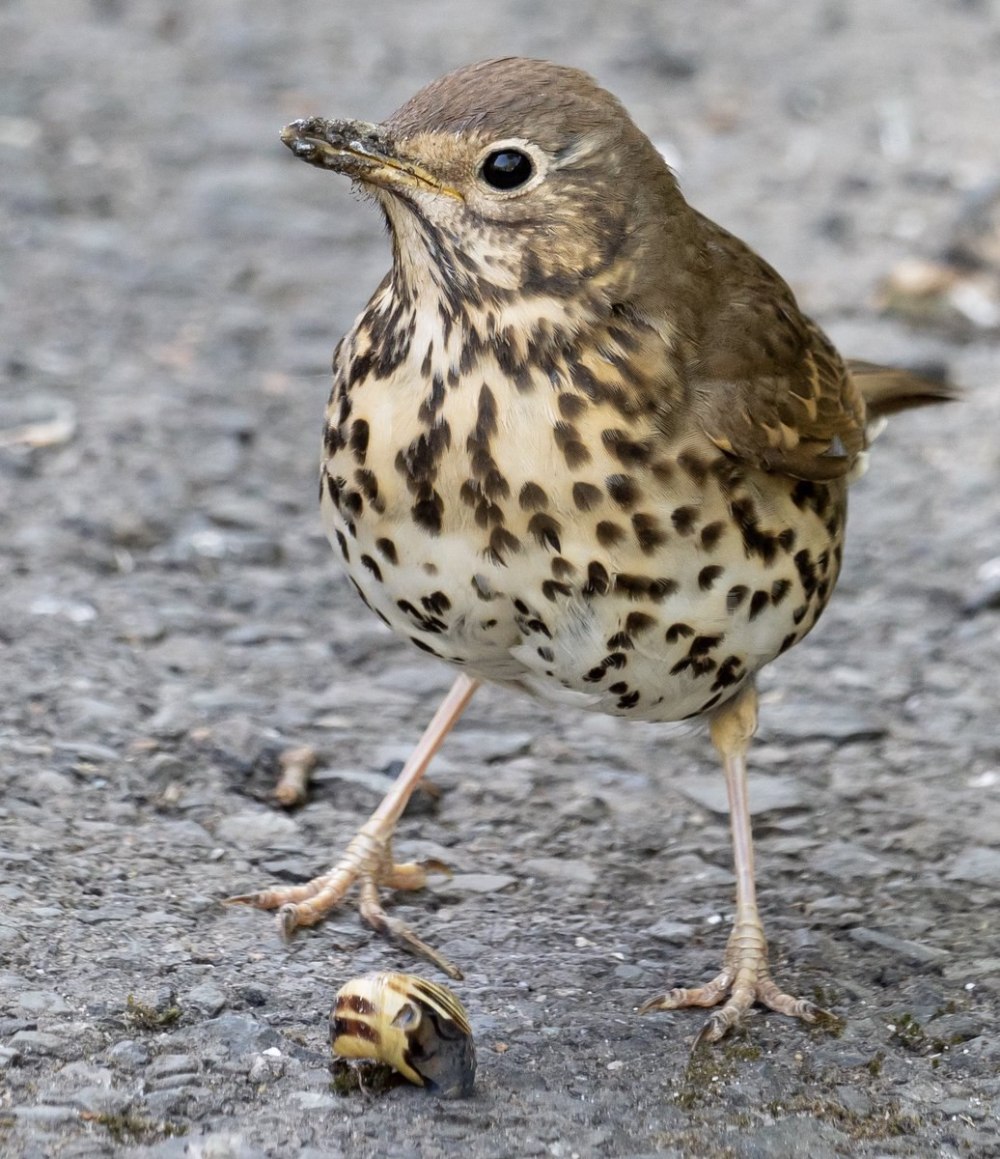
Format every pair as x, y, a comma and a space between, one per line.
368, 857
745, 977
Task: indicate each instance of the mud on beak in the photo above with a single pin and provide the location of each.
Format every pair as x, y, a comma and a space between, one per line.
361, 151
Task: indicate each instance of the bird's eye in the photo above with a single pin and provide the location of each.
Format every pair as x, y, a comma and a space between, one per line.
506, 169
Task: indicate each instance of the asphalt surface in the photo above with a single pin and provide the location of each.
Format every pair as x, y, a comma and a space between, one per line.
172, 283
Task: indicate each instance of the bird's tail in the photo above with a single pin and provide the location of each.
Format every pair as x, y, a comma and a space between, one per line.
887, 390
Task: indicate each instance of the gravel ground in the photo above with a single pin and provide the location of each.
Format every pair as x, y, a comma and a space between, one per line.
171, 617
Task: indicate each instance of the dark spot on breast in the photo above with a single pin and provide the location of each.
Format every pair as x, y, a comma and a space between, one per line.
546, 654
342, 544
598, 580
728, 673
571, 406
786, 539
758, 602
418, 463
372, 566
684, 519
696, 467
711, 533
627, 451
359, 440
618, 687
701, 645
352, 502
594, 675
608, 533
630, 700
532, 498
502, 544
538, 626
436, 602
788, 641
427, 512
552, 588
366, 480
360, 368
486, 416
807, 571
779, 589
804, 494
567, 439
334, 487
586, 496
546, 530
623, 490
799, 614
755, 541
387, 549
677, 632
638, 622
522, 607
615, 660
620, 641
562, 568
424, 647
633, 586
648, 532
662, 587
663, 470
707, 576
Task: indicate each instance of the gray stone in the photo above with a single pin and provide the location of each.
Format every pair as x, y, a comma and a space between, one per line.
569, 871
46, 1002
40, 1042
473, 883
915, 953
793, 1138
667, 930
768, 793
44, 1116
257, 829
979, 865
833, 720
206, 999
242, 1035
166, 1065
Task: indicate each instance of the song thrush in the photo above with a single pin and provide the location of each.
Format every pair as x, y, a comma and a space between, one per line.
581, 442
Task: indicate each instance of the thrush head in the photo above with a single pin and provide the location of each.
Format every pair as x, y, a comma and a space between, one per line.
516, 173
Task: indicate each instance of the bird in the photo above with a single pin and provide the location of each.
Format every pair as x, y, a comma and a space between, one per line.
581, 443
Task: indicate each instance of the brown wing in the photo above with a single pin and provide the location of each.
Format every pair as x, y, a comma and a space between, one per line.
769, 387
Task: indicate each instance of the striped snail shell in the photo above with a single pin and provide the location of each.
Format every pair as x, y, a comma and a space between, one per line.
418, 1027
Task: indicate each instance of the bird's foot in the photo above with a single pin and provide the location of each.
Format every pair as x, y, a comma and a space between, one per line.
368, 863
745, 978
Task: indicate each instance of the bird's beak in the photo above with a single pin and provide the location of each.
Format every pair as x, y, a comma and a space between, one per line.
361, 151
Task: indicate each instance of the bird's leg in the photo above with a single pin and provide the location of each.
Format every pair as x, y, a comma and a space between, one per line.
368, 857
745, 977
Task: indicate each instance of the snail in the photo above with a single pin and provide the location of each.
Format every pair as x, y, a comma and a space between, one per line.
418, 1027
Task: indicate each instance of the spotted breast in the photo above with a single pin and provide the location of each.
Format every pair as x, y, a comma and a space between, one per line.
511, 494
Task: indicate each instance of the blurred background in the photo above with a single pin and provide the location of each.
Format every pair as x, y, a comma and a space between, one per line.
172, 284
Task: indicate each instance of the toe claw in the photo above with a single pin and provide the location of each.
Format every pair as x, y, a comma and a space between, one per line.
287, 921
710, 1032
